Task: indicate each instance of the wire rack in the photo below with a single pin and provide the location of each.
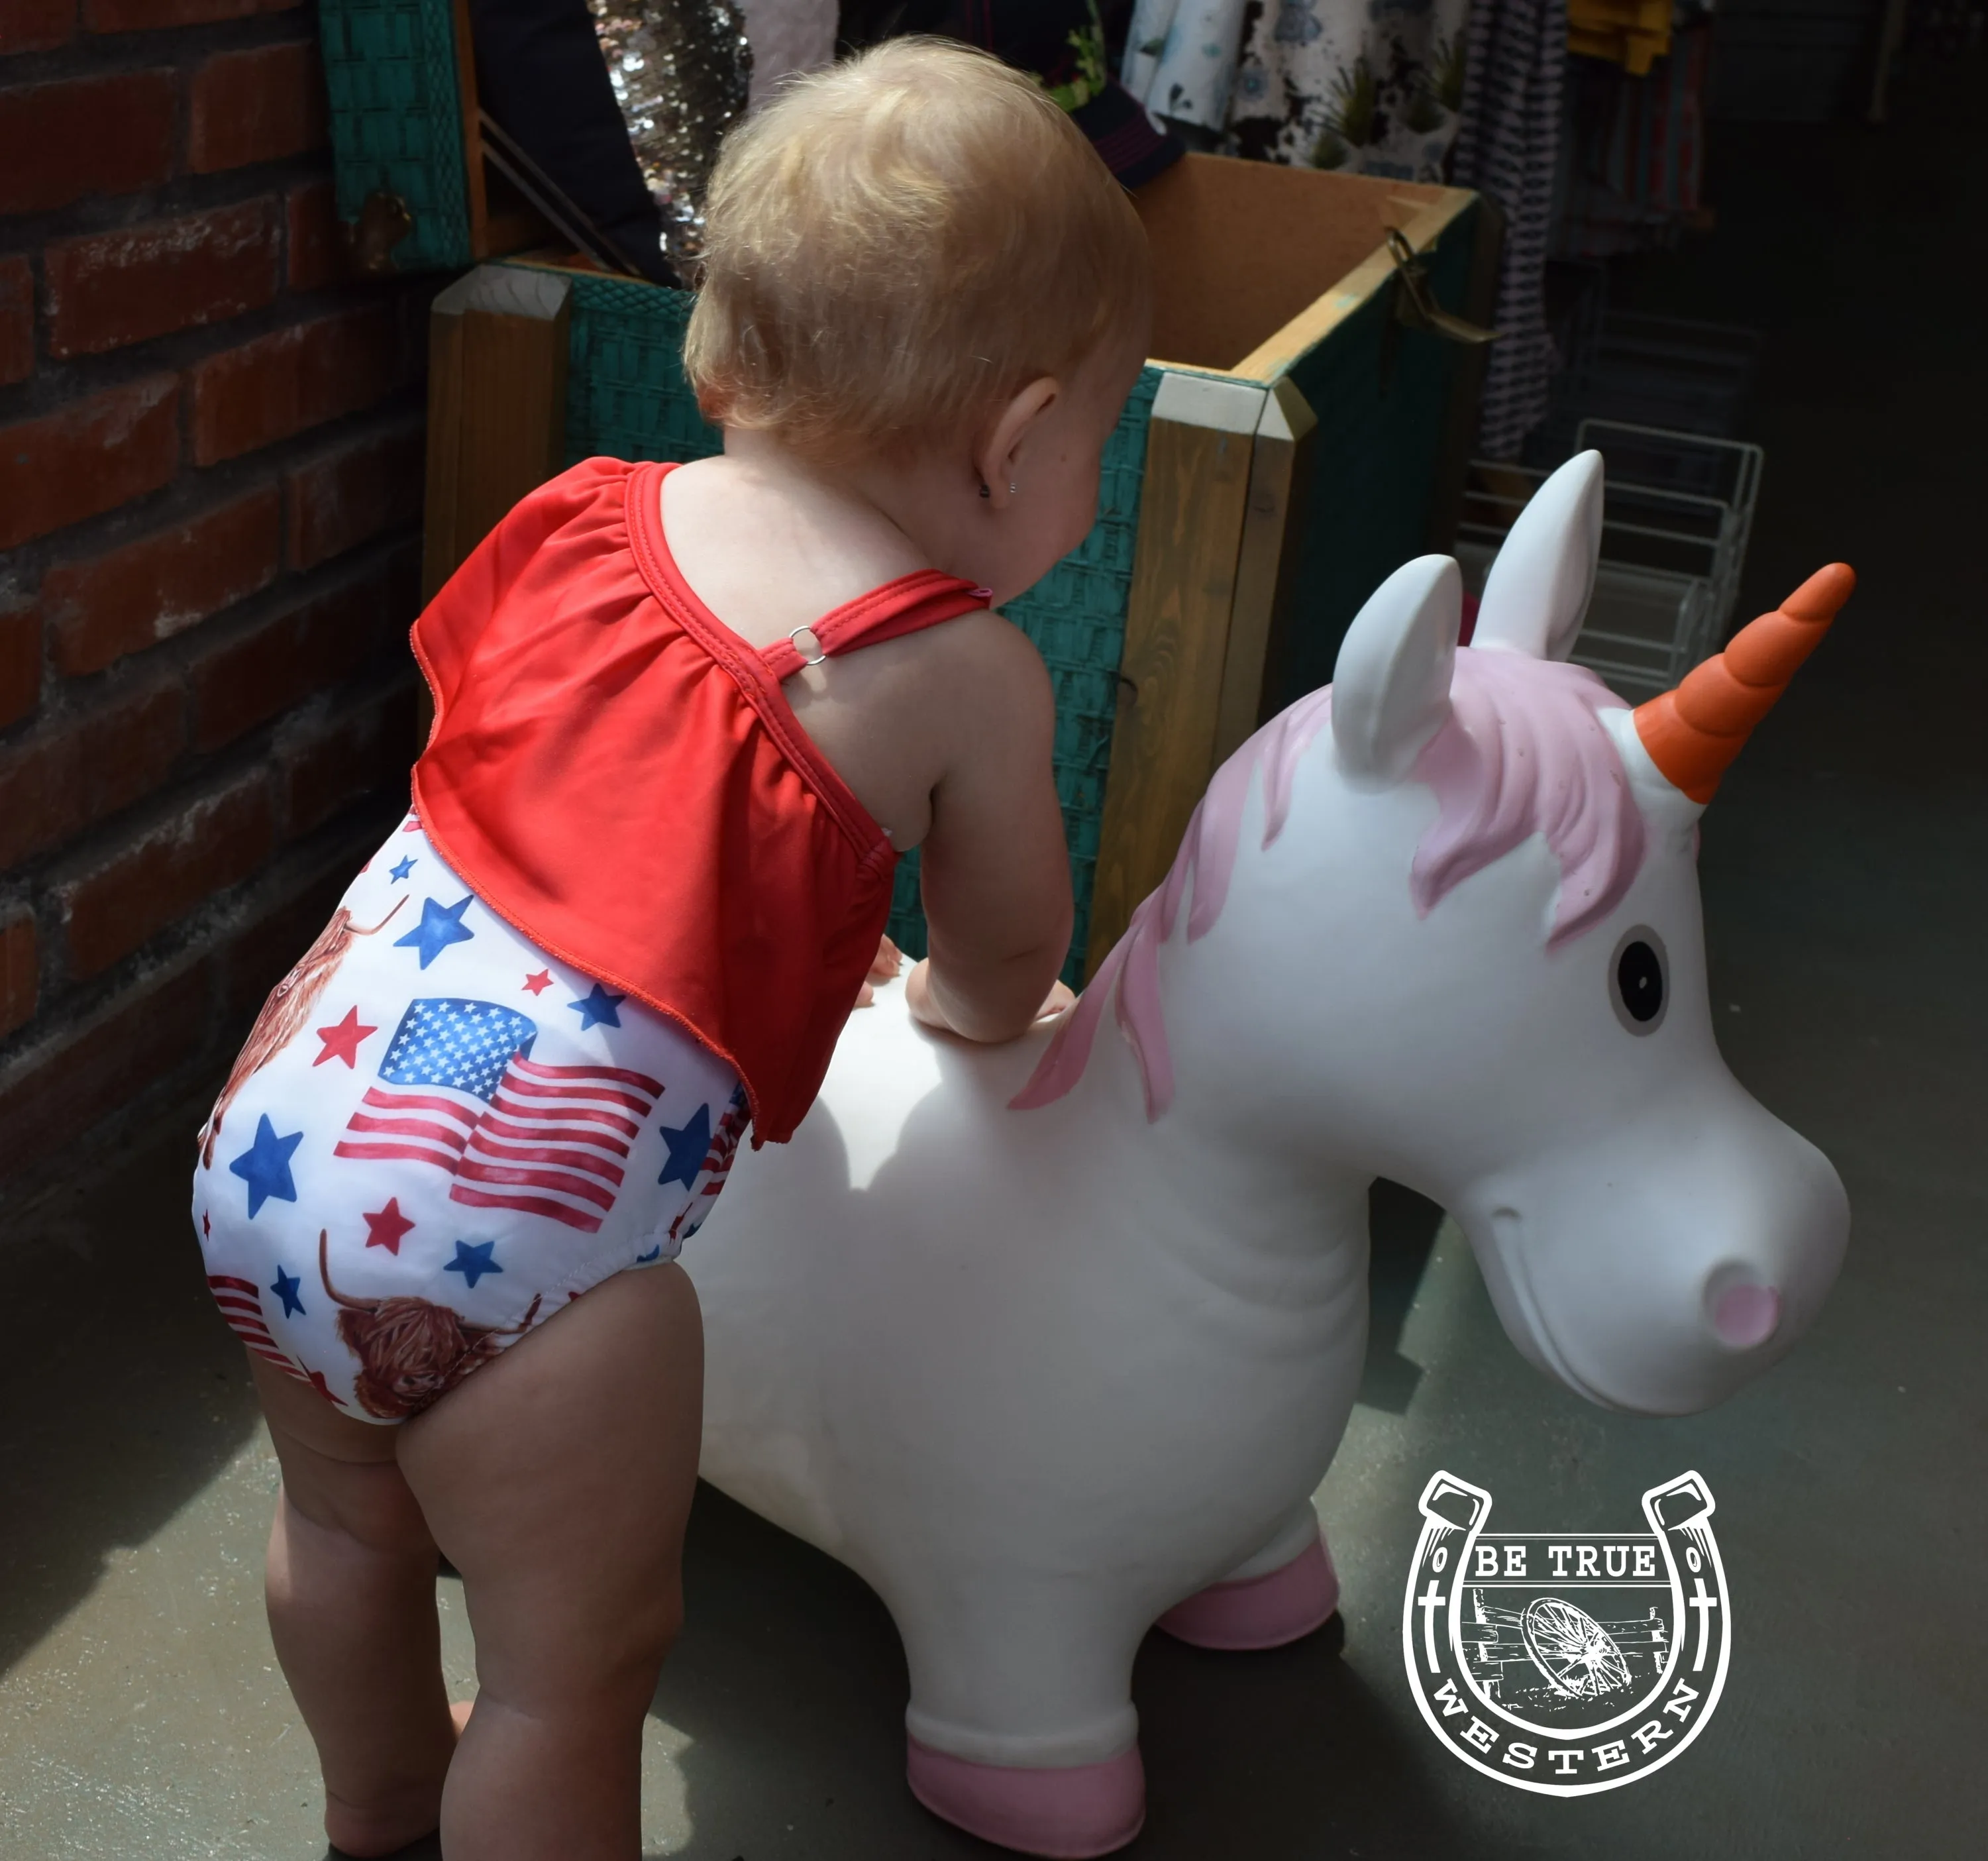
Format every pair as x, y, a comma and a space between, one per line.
1676, 520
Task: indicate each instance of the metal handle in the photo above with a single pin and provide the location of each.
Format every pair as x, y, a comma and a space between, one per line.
1415, 300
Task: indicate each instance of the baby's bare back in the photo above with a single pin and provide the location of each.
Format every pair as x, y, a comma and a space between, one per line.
944, 736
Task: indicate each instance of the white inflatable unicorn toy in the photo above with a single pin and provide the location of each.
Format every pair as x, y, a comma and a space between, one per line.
1051, 1340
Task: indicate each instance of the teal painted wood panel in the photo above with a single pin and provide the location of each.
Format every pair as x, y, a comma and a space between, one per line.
396, 120
1381, 393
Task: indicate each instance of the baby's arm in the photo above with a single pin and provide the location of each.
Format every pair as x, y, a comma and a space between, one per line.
995, 872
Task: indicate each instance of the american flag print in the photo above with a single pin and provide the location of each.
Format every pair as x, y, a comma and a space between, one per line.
460, 1133
241, 1303
717, 1166
458, 1089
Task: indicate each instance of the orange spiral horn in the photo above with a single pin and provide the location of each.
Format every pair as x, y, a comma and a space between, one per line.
1693, 733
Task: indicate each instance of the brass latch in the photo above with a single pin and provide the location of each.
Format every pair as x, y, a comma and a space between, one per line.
1415, 305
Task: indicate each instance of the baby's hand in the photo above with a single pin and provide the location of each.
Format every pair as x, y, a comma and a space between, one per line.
918, 997
884, 967
1061, 996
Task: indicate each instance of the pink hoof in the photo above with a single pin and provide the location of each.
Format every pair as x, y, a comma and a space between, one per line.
1264, 1612
1070, 1812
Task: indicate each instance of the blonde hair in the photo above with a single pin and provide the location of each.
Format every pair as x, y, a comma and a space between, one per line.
898, 244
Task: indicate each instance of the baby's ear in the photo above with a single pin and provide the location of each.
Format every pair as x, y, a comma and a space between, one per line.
997, 462
1390, 689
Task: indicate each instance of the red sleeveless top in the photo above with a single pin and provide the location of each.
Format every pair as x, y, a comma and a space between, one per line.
615, 772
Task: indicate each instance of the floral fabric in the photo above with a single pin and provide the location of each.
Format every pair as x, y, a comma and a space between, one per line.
1371, 86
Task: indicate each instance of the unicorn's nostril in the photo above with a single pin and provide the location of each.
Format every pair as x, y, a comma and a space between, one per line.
1745, 1315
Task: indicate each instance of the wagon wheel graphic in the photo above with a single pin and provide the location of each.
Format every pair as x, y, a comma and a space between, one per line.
1577, 1654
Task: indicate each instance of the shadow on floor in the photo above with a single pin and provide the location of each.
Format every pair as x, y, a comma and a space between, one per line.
790, 1684
122, 1394
1402, 1228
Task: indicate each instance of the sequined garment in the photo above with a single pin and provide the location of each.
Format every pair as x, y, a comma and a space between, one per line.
680, 70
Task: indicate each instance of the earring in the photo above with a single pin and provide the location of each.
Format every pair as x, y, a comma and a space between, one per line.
984, 491
1013, 489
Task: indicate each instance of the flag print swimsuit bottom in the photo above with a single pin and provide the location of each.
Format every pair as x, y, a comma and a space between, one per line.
436, 1136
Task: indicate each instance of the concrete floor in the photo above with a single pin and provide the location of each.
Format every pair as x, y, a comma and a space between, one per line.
141, 1716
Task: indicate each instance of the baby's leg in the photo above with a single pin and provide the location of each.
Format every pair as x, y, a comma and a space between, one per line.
352, 1611
558, 1480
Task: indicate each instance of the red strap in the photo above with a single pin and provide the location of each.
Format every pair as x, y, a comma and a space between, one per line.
907, 605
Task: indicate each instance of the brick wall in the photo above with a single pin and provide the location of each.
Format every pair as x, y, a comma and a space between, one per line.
210, 498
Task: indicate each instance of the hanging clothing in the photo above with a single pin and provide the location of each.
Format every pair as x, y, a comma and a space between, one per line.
540, 73
1370, 88
787, 36
1180, 58
1059, 43
1635, 149
1507, 148
618, 775
1634, 34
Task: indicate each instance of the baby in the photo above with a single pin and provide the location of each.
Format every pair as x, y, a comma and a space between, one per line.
685, 720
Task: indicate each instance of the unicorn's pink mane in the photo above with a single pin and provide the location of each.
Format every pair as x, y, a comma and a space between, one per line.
1523, 751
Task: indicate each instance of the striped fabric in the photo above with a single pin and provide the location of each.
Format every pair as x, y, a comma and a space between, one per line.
1507, 148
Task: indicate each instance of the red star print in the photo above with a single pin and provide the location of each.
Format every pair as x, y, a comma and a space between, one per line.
316, 1379
540, 982
206, 1226
385, 1226
343, 1040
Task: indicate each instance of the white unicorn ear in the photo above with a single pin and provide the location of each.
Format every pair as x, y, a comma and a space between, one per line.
1390, 689
1536, 594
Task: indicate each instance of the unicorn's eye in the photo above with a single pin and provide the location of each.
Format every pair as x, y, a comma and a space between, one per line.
1639, 980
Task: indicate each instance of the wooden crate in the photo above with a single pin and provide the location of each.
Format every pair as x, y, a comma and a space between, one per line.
1292, 442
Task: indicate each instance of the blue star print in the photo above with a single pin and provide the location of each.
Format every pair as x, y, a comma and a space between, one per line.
688, 1148
472, 1262
400, 871
264, 1165
441, 926
597, 1010
655, 1253
284, 1288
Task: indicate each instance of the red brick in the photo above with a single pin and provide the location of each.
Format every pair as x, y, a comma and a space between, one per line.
20, 662
121, 287
150, 16
348, 496
58, 1090
370, 748
99, 609
257, 106
290, 657
56, 782
291, 379
35, 25
319, 253
87, 135
164, 871
90, 456
20, 967
17, 320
